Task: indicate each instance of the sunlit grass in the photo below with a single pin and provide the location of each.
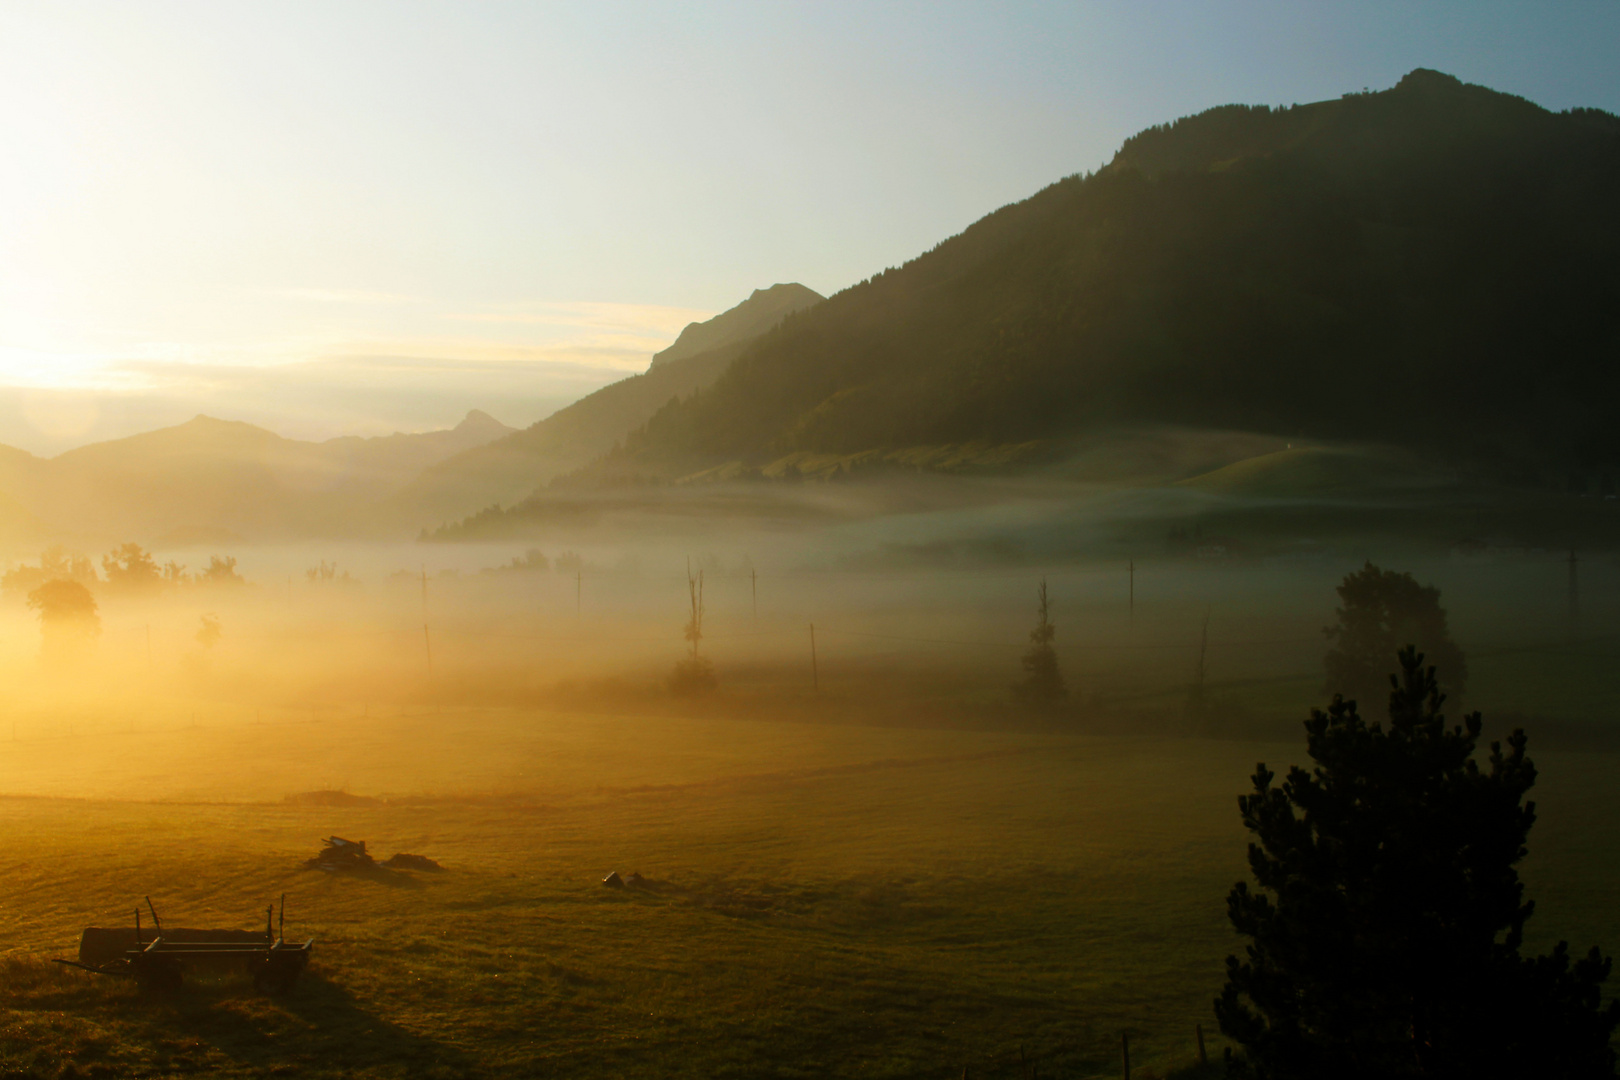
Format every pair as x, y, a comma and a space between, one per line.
825, 901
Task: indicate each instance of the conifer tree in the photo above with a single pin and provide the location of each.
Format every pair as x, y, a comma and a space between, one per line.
1043, 682
1385, 932
1383, 610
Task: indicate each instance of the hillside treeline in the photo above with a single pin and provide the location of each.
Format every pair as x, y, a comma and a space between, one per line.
1434, 265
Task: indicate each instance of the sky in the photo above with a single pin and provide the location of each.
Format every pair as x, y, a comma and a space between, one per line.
354, 218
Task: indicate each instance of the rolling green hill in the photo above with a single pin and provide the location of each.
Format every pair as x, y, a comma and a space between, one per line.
1309, 472
1433, 266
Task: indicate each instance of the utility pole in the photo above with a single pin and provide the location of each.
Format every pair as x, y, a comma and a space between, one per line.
427, 642
815, 670
1574, 594
1203, 650
149, 646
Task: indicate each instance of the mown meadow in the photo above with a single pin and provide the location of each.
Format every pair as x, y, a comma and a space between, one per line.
822, 899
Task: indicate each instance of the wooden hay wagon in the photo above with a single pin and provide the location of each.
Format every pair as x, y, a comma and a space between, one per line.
159, 964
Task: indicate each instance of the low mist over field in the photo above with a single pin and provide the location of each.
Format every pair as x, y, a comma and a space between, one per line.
732, 542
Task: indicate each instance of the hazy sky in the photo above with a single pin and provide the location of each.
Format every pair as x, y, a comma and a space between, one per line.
339, 217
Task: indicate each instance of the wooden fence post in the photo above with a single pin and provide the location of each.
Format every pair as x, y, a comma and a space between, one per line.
1125, 1053
815, 679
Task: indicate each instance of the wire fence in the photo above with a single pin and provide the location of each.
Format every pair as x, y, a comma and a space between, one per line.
450, 631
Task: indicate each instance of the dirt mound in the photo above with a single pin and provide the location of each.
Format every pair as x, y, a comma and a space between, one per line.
406, 861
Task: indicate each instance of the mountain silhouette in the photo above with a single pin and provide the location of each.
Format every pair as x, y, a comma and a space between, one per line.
1433, 266
762, 311
510, 468
221, 477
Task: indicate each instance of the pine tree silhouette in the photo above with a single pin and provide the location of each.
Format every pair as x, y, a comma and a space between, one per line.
1043, 682
1386, 929
1383, 610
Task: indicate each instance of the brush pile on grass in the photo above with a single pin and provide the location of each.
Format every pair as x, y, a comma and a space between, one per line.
339, 855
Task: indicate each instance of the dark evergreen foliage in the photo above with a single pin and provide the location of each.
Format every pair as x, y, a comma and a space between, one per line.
1274, 270
1386, 929
1383, 610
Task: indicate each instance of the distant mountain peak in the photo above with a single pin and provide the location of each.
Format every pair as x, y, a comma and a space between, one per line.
1424, 77
762, 311
201, 426
479, 422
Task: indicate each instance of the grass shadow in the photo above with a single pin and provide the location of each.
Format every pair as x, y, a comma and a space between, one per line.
212, 1024
317, 1026
379, 874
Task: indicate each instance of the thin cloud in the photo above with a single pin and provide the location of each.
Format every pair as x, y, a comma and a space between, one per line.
647, 320
394, 368
345, 296
317, 399
577, 364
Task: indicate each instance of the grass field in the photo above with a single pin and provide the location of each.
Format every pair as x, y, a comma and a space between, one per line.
827, 899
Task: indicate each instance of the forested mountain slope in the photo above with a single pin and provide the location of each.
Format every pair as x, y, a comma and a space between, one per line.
749, 319
1436, 265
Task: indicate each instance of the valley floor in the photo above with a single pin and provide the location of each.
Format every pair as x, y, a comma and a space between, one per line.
824, 899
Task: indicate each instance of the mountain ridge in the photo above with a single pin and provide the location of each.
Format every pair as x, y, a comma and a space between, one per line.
224, 475
1432, 265
511, 468
762, 311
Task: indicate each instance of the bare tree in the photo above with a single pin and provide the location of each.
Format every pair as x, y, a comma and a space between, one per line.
694, 674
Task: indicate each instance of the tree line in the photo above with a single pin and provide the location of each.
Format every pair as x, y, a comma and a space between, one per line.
128, 569
1385, 924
